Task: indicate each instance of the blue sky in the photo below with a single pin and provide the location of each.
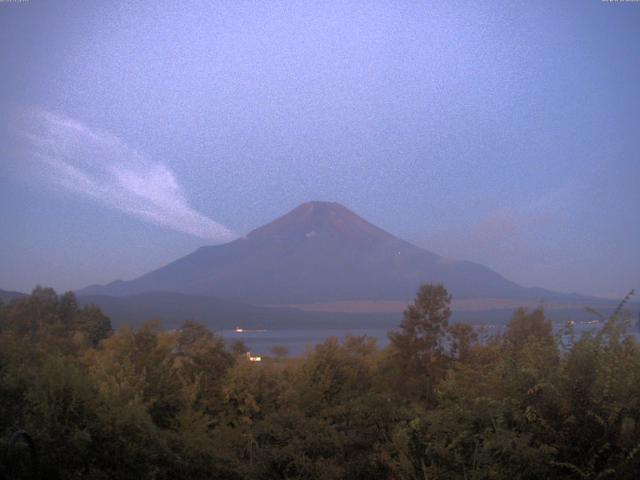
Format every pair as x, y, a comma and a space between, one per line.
504, 132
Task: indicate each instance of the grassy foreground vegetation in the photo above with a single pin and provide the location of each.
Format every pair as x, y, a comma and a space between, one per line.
437, 403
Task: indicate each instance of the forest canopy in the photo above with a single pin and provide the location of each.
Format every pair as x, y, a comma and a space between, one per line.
439, 401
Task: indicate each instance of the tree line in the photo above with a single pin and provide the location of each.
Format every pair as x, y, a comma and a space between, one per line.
438, 402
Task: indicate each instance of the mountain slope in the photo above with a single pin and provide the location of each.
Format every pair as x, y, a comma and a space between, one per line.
7, 296
319, 252
173, 308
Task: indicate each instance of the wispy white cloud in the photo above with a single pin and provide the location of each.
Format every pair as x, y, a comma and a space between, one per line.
99, 166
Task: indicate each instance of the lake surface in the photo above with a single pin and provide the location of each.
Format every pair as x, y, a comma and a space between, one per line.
298, 341
301, 340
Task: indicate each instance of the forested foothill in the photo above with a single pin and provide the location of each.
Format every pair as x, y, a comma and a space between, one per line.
439, 402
